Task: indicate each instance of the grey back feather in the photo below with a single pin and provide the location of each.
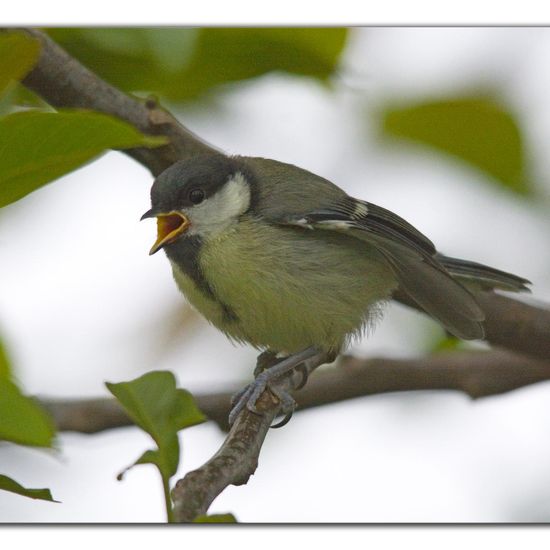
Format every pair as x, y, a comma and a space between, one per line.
284, 190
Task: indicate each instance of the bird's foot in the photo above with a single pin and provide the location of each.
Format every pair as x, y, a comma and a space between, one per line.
249, 395
265, 376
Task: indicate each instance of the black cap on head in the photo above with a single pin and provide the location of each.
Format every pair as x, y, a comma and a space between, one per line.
173, 187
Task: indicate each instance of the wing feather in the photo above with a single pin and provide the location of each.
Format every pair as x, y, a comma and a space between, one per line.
412, 256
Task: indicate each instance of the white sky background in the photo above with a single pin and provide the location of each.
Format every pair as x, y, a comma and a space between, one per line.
81, 303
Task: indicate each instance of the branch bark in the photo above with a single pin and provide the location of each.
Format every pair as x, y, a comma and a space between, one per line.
509, 323
516, 325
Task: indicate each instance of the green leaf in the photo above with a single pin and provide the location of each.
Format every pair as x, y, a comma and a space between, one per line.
38, 147
19, 96
157, 458
216, 518
126, 57
228, 55
182, 64
8, 484
154, 403
18, 53
478, 130
22, 420
5, 369
445, 343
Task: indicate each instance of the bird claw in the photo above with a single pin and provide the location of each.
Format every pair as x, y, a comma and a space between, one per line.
249, 395
264, 376
283, 422
288, 406
302, 370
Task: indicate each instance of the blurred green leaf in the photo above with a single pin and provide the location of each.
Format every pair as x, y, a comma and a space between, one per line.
477, 130
22, 420
5, 369
18, 53
133, 59
8, 484
23, 97
216, 518
19, 96
228, 55
445, 343
38, 147
154, 403
182, 64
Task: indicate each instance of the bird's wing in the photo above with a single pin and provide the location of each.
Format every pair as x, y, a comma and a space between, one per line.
411, 255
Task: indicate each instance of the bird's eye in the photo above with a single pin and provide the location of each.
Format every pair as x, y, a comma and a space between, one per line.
196, 196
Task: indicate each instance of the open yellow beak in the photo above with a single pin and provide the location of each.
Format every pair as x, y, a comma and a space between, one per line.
169, 227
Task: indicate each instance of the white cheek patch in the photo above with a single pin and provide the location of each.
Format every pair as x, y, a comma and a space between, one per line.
222, 209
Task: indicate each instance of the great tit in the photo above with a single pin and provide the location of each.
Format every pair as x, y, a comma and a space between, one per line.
286, 261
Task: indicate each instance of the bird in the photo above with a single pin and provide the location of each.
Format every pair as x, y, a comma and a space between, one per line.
286, 261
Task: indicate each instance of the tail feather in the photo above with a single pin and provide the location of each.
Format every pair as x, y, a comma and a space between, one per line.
439, 294
483, 276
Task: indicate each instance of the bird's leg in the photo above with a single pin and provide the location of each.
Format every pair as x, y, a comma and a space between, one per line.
268, 358
265, 360
304, 371
264, 376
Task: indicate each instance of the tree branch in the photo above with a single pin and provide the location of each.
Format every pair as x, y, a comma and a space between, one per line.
509, 323
63, 81
477, 374
237, 458
516, 325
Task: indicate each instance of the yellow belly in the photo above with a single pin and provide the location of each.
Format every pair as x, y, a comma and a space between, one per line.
289, 288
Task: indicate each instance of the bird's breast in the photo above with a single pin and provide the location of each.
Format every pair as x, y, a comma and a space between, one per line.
284, 288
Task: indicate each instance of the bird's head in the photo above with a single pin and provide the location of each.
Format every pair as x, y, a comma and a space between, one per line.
202, 196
